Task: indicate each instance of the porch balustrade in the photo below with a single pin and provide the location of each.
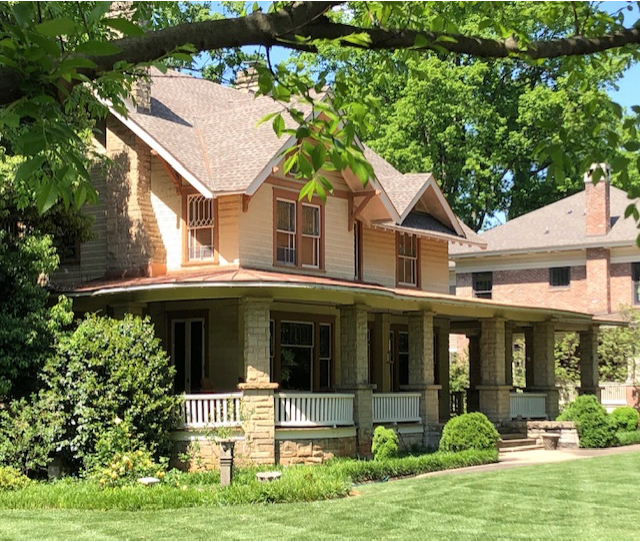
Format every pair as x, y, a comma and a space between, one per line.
613, 394
211, 410
396, 407
314, 409
528, 405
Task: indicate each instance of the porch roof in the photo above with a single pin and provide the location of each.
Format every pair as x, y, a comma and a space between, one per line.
234, 282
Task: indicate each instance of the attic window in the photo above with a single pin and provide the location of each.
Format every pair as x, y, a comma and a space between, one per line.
200, 224
407, 259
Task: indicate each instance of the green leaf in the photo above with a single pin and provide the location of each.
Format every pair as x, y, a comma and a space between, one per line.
184, 57
75, 63
267, 118
125, 26
278, 124
57, 27
10, 119
47, 196
98, 12
318, 156
97, 48
32, 142
28, 168
632, 146
303, 132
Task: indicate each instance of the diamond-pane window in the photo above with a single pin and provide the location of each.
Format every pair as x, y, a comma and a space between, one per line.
200, 224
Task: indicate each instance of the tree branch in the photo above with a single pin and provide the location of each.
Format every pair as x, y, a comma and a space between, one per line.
307, 19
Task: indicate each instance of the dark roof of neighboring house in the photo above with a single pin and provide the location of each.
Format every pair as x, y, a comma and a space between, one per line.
212, 131
556, 226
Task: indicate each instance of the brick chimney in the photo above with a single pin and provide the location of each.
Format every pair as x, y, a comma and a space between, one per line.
247, 79
597, 199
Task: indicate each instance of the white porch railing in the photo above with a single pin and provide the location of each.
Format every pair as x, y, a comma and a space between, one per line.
613, 394
313, 409
211, 410
528, 405
396, 407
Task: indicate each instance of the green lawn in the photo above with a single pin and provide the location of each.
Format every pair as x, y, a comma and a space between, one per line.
585, 499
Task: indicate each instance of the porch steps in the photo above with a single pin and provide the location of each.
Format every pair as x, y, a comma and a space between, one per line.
514, 442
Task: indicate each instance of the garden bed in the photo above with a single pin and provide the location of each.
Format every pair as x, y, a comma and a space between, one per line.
184, 490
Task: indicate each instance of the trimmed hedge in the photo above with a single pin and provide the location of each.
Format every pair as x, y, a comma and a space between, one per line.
385, 443
626, 438
594, 424
471, 431
625, 418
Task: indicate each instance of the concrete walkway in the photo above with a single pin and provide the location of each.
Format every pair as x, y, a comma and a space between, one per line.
527, 458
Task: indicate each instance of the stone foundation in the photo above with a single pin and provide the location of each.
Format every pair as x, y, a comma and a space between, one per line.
567, 430
312, 446
202, 452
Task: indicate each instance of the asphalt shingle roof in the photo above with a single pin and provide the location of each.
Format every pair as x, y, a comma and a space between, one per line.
558, 225
213, 131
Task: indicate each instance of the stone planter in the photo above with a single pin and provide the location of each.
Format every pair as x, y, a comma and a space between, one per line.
550, 441
227, 447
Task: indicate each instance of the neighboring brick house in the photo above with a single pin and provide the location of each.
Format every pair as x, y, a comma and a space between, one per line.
579, 253
300, 310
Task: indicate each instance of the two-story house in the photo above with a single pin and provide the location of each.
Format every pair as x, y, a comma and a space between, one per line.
322, 318
579, 253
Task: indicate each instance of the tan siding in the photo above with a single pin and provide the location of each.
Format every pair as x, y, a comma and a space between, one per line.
379, 260
167, 207
434, 265
256, 243
339, 258
229, 211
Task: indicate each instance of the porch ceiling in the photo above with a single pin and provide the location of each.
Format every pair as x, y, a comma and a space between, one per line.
234, 282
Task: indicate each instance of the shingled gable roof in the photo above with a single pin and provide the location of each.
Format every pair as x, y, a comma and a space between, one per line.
210, 134
558, 226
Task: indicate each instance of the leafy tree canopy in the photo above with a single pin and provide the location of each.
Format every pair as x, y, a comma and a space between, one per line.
56, 57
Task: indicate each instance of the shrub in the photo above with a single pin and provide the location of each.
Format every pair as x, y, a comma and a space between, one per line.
625, 418
626, 438
108, 369
471, 431
12, 479
592, 421
28, 430
385, 443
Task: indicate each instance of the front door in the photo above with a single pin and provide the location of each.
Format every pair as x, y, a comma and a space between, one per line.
187, 353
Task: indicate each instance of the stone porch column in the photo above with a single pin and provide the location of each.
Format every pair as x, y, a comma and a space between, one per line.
381, 331
544, 366
473, 398
493, 389
589, 375
354, 365
508, 353
258, 390
422, 371
443, 369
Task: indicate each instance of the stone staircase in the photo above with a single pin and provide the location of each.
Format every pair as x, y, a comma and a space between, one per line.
517, 442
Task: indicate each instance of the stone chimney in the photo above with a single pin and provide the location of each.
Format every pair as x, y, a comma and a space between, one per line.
141, 93
597, 200
247, 79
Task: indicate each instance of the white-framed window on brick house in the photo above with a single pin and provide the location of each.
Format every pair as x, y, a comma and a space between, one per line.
298, 231
200, 228
559, 276
483, 285
408, 260
635, 282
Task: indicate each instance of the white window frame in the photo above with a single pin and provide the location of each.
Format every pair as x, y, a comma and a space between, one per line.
202, 224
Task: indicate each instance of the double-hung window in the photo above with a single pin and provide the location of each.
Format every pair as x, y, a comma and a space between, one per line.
559, 276
298, 234
635, 281
200, 228
407, 260
483, 285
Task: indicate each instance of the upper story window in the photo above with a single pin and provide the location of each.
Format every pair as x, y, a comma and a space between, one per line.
483, 285
635, 281
298, 234
200, 228
408, 259
559, 276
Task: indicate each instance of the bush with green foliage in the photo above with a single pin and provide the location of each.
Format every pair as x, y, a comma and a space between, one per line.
471, 431
625, 418
12, 479
29, 429
594, 425
385, 443
626, 438
108, 369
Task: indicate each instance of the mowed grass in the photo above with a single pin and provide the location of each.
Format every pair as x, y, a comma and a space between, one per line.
588, 499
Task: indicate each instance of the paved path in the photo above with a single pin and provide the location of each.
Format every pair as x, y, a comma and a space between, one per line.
527, 458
